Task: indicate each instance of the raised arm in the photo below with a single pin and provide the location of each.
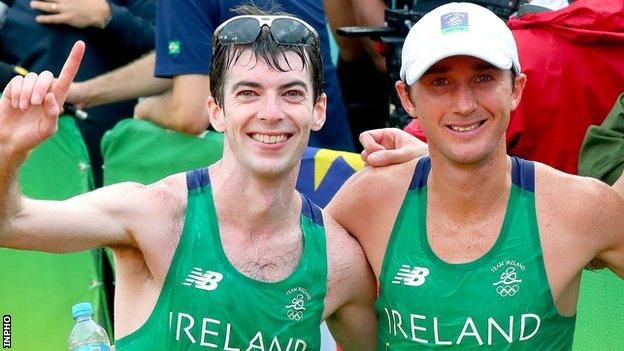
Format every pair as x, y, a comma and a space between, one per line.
29, 110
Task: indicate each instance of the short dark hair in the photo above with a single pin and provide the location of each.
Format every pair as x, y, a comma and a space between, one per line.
264, 48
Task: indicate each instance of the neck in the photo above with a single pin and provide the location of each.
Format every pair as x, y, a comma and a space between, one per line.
254, 204
470, 191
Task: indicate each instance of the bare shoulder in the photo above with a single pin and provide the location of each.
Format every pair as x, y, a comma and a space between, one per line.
588, 206
370, 190
132, 198
149, 211
171, 190
379, 180
578, 195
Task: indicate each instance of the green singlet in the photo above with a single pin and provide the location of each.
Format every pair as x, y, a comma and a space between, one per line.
207, 304
500, 301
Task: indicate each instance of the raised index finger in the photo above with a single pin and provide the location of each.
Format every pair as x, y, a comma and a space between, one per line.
68, 73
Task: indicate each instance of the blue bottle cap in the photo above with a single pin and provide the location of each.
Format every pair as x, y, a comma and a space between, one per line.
82, 309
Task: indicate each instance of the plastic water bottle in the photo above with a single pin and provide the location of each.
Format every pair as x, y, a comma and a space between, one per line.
87, 335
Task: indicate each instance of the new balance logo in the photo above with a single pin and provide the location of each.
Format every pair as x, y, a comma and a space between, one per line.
207, 280
410, 276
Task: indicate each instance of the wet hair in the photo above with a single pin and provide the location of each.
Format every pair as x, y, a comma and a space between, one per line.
265, 49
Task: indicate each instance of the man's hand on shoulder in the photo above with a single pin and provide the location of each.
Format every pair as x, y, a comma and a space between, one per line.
383, 147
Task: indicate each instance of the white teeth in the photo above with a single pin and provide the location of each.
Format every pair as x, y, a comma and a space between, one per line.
465, 129
269, 139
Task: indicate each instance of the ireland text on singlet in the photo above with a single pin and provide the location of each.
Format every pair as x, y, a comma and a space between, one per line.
207, 304
500, 301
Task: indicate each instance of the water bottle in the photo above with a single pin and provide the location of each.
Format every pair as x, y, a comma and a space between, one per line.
87, 335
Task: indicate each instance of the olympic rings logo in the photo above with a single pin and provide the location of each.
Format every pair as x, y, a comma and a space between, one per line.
509, 290
296, 308
508, 280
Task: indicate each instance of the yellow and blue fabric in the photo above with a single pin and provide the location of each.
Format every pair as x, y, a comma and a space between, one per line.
140, 151
323, 172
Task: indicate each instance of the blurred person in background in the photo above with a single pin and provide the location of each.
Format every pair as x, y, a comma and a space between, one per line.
35, 33
361, 68
183, 52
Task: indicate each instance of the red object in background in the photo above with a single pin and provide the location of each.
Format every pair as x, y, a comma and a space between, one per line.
382, 48
574, 62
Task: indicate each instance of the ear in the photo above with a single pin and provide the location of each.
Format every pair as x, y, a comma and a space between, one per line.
320, 110
215, 112
518, 88
403, 91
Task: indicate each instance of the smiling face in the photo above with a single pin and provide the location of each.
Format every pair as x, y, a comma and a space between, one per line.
267, 115
463, 104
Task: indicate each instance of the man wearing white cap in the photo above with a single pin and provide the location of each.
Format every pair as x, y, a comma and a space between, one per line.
472, 248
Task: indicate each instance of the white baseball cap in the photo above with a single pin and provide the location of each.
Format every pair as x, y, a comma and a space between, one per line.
457, 28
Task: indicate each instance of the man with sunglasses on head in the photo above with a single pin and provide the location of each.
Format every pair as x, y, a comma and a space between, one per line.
183, 48
229, 257
473, 249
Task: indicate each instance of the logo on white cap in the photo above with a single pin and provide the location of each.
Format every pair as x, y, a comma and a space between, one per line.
454, 22
456, 29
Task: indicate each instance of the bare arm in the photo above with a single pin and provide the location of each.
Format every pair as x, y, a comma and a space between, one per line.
369, 12
125, 83
608, 222
583, 217
183, 108
343, 13
340, 14
354, 325
29, 110
351, 282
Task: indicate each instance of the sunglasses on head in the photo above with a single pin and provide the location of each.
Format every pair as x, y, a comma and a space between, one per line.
285, 30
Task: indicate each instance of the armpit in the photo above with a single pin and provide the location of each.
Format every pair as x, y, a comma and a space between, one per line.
595, 264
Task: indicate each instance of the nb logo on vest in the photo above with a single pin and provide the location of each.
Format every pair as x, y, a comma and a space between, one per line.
411, 276
204, 280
